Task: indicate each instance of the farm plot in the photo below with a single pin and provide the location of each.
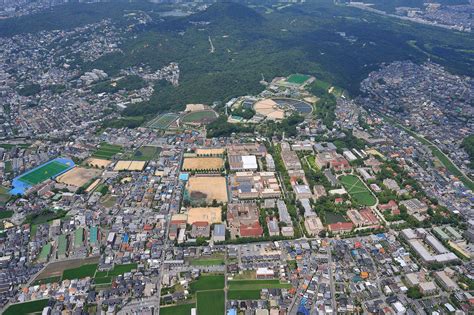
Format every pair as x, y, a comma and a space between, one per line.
80, 272
207, 188
357, 190
183, 309
31, 307
236, 285
78, 176
146, 153
107, 151
203, 163
162, 121
4, 196
211, 302
208, 282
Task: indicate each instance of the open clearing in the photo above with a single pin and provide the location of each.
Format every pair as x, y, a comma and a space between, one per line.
106, 151
98, 163
78, 176
162, 121
203, 163
31, 307
208, 188
44, 172
80, 272
130, 166
183, 309
357, 190
200, 117
56, 269
270, 109
146, 153
4, 196
211, 302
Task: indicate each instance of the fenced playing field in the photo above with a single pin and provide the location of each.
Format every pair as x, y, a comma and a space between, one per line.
162, 121
207, 188
203, 163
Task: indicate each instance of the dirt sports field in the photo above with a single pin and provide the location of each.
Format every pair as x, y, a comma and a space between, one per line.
203, 163
99, 163
129, 166
78, 176
208, 187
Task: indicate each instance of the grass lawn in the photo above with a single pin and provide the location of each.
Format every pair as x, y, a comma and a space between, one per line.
183, 309
43, 173
211, 302
357, 190
210, 282
243, 295
26, 308
107, 151
207, 261
235, 285
146, 153
80, 272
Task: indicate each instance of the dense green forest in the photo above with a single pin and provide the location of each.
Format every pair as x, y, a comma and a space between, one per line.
249, 44
128, 83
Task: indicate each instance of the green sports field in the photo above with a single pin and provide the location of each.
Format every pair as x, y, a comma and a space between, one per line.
297, 78
205, 116
357, 190
43, 173
211, 302
162, 121
106, 151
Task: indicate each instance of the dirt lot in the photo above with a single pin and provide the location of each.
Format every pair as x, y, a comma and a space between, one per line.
203, 163
56, 269
98, 163
213, 187
78, 176
129, 166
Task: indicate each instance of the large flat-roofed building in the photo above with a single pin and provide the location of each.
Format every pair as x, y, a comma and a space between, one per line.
247, 149
242, 220
445, 281
254, 185
243, 163
290, 160
427, 247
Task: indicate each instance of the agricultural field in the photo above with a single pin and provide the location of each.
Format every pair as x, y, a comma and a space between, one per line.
207, 188
357, 190
43, 173
121, 269
207, 262
107, 151
208, 282
243, 295
236, 285
162, 121
211, 302
78, 176
26, 307
200, 117
6, 214
80, 272
46, 280
146, 153
183, 309
203, 163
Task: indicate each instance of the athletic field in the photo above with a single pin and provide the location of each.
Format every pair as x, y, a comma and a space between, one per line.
200, 117
44, 172
106, 151
357, 190
297, 78
162, 121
